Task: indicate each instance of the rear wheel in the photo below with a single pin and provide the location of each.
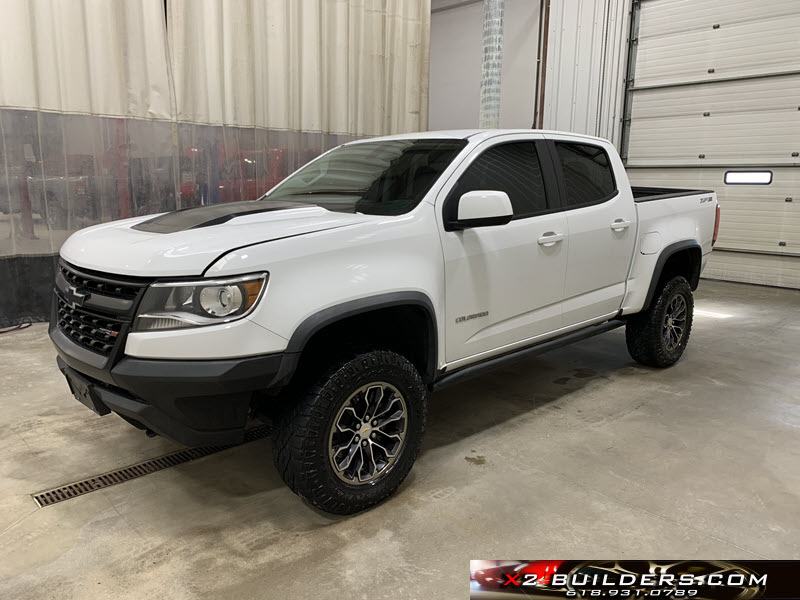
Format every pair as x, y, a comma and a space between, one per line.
352, 437
658, 336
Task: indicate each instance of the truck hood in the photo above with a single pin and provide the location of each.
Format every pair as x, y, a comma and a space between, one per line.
186, 242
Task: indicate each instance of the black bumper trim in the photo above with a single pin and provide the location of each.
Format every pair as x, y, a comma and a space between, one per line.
145, 377
192, 402
171, 427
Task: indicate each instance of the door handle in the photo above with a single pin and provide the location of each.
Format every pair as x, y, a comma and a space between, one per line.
551, 238
620, 224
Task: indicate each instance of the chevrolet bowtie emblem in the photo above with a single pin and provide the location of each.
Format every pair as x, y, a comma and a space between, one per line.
76, 297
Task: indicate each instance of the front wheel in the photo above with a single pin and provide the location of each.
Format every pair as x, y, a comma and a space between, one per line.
658, 336
352, 438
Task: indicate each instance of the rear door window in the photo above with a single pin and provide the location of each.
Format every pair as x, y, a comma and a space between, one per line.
588, 174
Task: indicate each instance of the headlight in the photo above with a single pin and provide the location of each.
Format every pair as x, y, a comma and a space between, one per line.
179, 304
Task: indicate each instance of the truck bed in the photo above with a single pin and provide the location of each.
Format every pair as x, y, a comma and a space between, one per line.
646, 194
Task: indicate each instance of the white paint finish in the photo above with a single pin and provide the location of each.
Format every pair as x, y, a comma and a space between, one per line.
650, 243
476, 136
482, 204
234, 339
520, 285
745, 43
587, 54
600, 250
189, 252
312, 272
499, 270
754, 217
455, 64
675, 219
599, 258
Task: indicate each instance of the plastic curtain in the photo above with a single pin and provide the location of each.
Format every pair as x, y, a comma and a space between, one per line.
95, 127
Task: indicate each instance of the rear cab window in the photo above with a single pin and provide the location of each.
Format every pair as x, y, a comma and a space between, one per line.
588, 174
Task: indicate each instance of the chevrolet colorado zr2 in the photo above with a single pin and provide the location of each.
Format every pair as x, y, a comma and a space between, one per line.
381, 270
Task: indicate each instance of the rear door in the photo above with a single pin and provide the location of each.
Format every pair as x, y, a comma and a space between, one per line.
601, 220
505, 283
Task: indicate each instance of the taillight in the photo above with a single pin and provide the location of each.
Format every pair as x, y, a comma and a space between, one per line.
716, 227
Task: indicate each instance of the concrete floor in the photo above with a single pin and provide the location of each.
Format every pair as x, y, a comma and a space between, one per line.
577, 454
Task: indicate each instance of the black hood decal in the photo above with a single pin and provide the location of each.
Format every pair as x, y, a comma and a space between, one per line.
206, 216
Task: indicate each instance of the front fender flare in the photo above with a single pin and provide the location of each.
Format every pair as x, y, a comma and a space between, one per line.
314, 323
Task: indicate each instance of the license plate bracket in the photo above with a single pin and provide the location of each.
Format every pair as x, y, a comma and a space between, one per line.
84, 392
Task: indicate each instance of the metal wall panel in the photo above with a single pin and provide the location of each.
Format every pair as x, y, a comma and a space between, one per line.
781, 271
715, 85
586, 62
664, 17
743, 122
738, 47
719, 98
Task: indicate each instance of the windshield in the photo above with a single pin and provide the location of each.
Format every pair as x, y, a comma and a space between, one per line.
373, 178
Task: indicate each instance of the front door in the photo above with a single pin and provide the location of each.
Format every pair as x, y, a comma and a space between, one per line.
505, 283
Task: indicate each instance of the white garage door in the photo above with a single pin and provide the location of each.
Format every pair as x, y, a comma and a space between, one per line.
714, 87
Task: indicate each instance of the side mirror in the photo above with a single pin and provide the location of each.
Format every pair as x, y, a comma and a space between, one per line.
481, 208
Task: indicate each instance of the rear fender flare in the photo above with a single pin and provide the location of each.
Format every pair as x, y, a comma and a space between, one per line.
665, 255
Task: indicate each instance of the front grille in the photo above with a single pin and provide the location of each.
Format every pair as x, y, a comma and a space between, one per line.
98, 286
95, 310
92, 331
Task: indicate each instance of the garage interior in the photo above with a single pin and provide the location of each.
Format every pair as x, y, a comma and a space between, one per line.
576, 453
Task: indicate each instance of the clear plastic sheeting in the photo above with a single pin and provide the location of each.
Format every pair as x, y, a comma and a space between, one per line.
60, 172
114, 110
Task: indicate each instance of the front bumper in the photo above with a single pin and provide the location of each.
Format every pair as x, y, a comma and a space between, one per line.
192, 402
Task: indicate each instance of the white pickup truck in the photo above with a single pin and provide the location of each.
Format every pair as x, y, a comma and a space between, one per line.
381, 270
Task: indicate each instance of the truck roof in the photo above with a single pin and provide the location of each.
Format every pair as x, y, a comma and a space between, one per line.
463, 134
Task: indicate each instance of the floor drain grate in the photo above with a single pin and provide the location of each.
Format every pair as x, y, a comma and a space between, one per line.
98, 482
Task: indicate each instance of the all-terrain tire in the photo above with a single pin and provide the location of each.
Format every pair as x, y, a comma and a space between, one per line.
646, 332
302, 435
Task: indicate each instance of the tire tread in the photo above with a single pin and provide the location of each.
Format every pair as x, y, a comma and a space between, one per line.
298, 428
643, 330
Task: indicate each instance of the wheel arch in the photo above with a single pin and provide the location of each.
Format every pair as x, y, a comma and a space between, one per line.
356, 311
680, 258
